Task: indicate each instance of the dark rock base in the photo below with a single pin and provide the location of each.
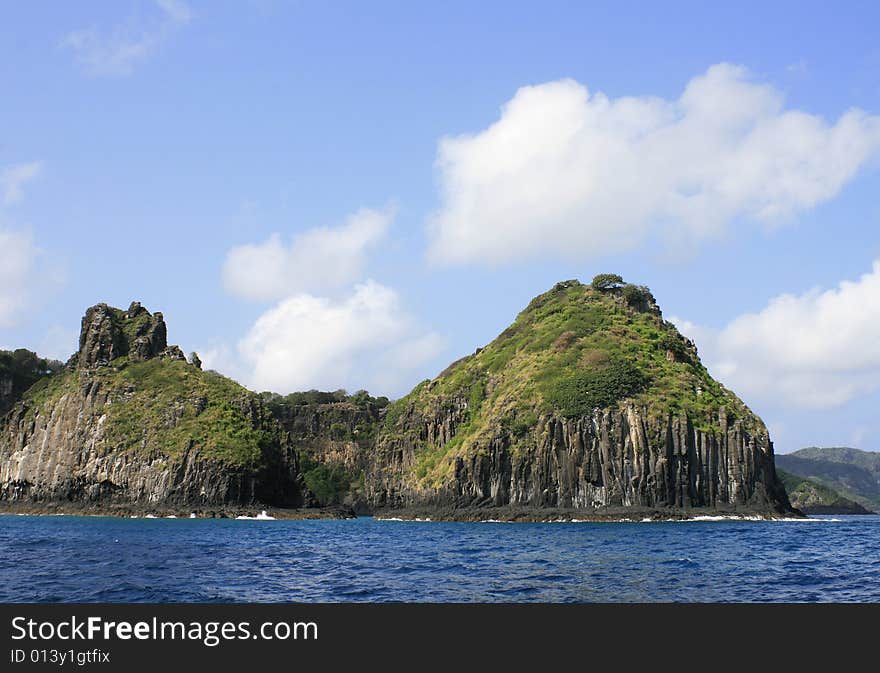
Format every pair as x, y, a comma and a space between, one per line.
162, 511
609, 514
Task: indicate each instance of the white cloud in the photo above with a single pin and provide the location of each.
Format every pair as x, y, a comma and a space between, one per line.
220, 357
12, 178
18, 257
566, 172
816, 350
25, 274
323, 332
364, 340
317, 260
118, 53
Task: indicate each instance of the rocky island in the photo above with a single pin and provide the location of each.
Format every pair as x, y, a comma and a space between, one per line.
589, 406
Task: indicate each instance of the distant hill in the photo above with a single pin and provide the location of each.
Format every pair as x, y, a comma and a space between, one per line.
19, 370
812, 497
852, 473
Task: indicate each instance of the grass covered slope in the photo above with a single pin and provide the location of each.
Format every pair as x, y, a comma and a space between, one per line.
574, 350
166, 406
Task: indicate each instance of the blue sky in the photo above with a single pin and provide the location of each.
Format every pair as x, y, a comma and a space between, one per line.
327, 194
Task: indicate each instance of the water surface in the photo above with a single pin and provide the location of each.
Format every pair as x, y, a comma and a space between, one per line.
96, 559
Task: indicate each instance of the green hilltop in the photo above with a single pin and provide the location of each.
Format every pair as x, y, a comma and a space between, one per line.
574, 349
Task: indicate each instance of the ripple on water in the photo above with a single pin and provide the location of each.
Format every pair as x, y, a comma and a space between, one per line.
91, 559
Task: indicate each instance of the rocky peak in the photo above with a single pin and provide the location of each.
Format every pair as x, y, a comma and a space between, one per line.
589, 399
108, 333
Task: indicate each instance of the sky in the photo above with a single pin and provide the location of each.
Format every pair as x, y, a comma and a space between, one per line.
352, 195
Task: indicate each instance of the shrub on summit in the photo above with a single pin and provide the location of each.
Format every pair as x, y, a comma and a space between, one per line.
607, 281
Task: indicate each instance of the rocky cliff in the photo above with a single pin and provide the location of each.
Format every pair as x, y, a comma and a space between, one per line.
589, 401
333, 440
130, 422
614, 457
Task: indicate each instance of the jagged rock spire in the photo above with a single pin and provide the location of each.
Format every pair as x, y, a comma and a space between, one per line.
108, 333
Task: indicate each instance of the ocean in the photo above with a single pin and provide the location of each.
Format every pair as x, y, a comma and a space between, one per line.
105, 559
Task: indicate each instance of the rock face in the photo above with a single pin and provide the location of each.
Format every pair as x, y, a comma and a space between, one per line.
333, 441
108, 333
615, 458
8, 396
588, 401
131, 422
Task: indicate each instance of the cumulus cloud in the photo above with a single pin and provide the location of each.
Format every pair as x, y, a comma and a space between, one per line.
24, 274
18, 256
12, 178
118, 53
220, 357
325, 330
365, 339
815, 350
568, 172
317, 260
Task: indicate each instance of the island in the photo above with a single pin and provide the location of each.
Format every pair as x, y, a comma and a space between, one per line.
589, 406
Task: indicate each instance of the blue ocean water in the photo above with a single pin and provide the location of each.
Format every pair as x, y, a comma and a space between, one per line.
96, 559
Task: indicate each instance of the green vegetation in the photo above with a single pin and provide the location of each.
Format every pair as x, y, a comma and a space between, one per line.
339, 431
170, 404
361, 398
47, 390
584, 390
574, 348
328, 482
607, 281
26, 366
166, 407
638, 297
